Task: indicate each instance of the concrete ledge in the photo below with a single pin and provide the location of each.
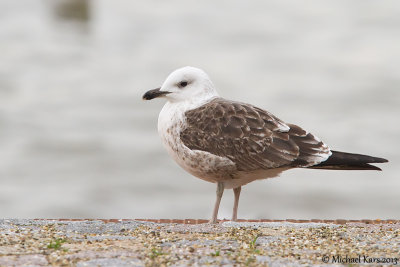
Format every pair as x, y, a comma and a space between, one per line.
112, 242
200, 221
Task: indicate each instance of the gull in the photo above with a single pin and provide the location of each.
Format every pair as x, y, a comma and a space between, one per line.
232, 143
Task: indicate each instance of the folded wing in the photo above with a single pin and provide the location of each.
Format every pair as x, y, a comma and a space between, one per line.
250, 137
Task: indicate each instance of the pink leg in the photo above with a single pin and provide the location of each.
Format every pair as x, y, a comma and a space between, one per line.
236, 191
220, 191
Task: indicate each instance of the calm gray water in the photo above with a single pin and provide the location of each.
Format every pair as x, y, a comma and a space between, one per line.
76, 140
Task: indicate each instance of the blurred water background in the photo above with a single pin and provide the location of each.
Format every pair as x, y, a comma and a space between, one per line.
76, 140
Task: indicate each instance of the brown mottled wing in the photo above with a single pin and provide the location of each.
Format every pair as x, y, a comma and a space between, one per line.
250, 137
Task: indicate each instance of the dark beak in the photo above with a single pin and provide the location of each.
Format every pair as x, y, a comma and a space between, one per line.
154, 94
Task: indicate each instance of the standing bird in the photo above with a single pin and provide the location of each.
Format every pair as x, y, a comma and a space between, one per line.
232, 143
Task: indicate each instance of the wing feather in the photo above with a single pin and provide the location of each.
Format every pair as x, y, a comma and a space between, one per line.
250, 137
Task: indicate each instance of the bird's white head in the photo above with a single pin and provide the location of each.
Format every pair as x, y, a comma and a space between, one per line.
185, 84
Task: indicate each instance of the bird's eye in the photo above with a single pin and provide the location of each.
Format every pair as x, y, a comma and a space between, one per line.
183, 84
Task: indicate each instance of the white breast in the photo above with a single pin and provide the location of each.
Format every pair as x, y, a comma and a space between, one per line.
201, 164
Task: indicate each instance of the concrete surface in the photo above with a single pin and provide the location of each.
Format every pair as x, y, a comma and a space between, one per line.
139, 243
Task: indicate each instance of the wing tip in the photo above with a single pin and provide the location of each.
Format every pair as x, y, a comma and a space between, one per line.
359, 167
381, 160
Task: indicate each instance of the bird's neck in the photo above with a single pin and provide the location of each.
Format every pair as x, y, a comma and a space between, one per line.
191, 103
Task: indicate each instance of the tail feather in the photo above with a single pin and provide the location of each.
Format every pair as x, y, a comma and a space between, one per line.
349, 161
